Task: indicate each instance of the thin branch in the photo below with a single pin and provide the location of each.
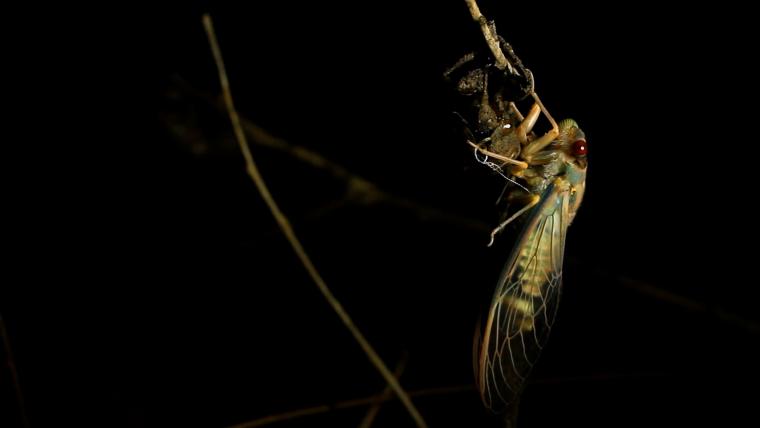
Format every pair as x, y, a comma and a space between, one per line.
287, 230
374, 409
667, 296
491, 40
429, 392
348, 404
359, 189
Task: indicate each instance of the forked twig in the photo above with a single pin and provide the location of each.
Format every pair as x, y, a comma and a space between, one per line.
287, 230
374, 408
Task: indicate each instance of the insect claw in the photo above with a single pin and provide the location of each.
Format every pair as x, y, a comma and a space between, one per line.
493, 236
498, 229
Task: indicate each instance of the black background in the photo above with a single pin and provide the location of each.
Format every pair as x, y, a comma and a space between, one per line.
149, 285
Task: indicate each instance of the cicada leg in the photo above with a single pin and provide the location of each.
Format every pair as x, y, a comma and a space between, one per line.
516, 111
529, 121
505, 159
461, 62
487, 117
531, 203
526, 126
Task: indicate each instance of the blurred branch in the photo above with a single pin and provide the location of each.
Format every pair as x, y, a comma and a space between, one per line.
357, 402
374, 409
667, 296
427, 392
287, 230
358, 189
596, 377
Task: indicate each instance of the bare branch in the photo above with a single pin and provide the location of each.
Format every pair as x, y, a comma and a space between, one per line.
287, 230
490, 36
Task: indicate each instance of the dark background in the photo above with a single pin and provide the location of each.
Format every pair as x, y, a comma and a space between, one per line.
149, 285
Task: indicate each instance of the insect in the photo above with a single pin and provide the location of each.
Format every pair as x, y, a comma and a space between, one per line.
524, 304
547, 176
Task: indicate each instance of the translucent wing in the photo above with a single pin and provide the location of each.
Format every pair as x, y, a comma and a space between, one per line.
525, 302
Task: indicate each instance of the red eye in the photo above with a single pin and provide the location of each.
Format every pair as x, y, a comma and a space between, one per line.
580, 148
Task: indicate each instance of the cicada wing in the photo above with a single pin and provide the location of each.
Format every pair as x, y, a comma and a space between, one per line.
524, 304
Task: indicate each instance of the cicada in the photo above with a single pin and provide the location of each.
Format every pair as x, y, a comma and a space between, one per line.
524, 305
547, 176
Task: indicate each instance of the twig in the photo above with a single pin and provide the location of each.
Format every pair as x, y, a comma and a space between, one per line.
357, 402
429, 392
374, 409
287, 230
491, 40
675, 299
359, 189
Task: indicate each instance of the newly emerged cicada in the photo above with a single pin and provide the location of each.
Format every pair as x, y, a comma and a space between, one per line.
547, 175
524, 304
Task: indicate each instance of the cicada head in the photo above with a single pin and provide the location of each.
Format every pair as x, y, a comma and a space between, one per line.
571, 141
